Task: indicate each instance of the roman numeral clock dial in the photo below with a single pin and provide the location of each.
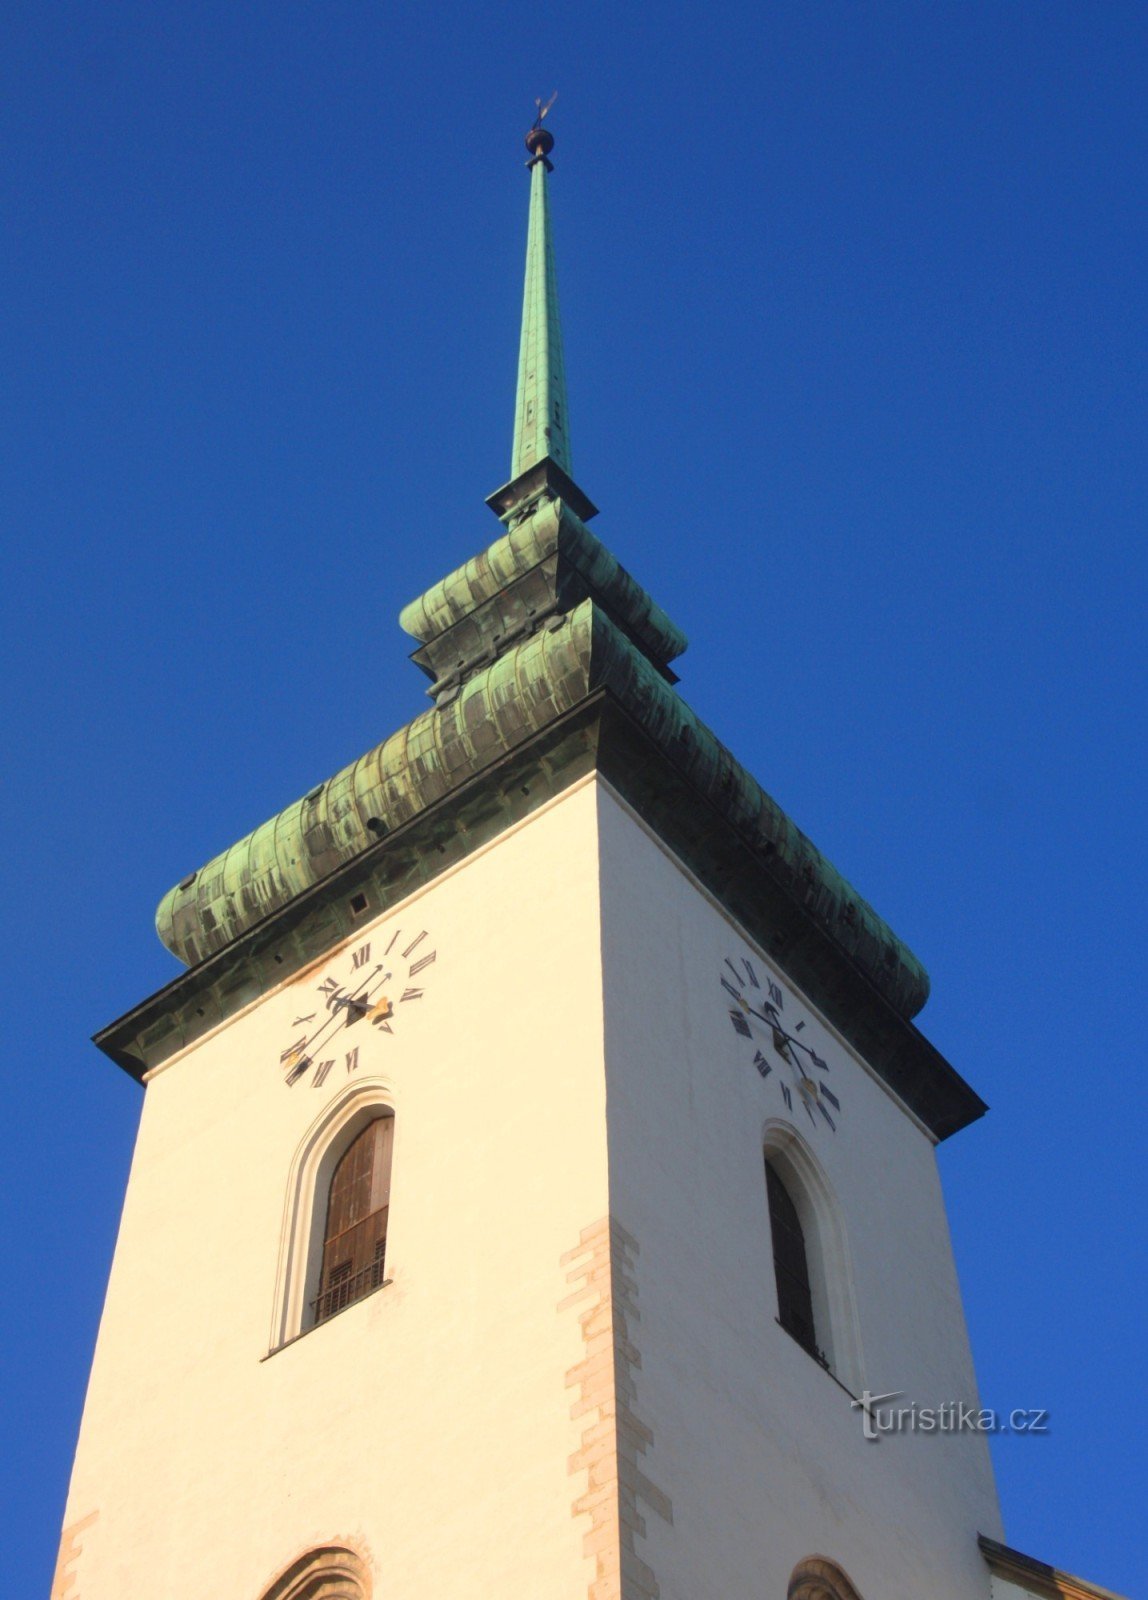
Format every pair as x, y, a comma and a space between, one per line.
771, 1038
369, 988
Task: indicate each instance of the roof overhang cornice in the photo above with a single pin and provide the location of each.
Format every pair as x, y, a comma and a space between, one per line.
567, 702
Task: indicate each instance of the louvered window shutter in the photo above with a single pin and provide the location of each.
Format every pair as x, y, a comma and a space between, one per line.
354, 1243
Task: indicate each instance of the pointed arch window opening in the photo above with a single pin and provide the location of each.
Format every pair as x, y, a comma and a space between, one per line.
815, 1578
331, 1573
355, 1233
305, 1260
791, 1267
813, 1271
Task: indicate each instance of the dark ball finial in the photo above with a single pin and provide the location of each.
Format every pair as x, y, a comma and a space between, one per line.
539, 141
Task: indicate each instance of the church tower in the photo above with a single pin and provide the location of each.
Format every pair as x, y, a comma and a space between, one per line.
536, 1166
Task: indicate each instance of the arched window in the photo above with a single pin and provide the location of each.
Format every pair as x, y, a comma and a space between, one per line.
791, 1265
355, 1234
818, 1579
811, 1259
333, 1573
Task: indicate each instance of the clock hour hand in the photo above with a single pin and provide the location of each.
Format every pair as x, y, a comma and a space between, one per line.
774, 1023
810, 1089
364, 1004
335, 998
357, 1007
298, 1058
781, 1039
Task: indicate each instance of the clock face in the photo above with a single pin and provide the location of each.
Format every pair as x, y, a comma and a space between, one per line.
358, 1000
771, 1035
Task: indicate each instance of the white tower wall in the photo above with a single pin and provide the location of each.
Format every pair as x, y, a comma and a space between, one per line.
574, 1383
428, 1426
758, 1449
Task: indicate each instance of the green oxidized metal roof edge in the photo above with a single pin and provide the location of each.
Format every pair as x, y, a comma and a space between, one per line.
535, 681
424, 760
562, 619
551, 528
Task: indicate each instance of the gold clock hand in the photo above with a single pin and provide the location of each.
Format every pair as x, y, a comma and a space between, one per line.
292, 1059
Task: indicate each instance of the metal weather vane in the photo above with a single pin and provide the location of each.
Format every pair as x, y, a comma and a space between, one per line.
543, 109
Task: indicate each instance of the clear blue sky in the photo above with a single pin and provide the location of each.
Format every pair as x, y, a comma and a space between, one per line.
854, 299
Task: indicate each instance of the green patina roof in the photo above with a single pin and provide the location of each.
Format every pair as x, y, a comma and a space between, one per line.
544, 565
516, 636
547, 660
540, 455
498, 707
541, 412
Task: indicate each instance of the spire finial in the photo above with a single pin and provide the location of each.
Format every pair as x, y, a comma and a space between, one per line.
540, 141
540, 458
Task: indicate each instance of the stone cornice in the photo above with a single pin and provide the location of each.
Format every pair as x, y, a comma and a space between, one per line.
1037, 1576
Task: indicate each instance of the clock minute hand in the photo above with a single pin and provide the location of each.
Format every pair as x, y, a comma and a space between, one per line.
770, 1022
331, 1024
333, 1002
779, 1032
774, 1023
364, 989
359, 1005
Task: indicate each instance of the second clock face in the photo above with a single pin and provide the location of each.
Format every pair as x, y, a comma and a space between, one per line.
758, 1015
358, 998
